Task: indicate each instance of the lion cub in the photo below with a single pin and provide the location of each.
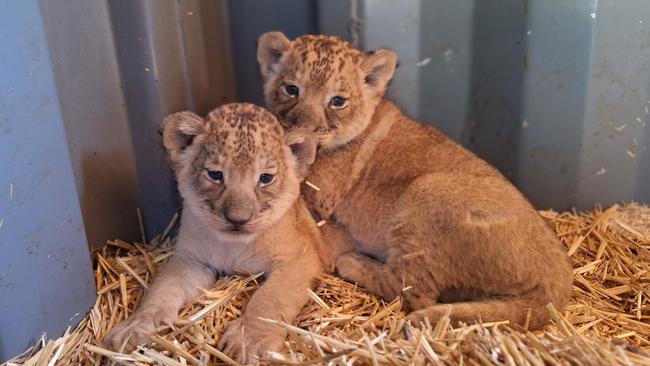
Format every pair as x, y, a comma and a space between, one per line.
239, 177
425, 218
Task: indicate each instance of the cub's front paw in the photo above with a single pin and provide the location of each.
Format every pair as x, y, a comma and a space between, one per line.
143, 322
248, 340
350, 266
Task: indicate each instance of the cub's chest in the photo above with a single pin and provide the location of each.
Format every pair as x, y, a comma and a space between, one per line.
239, 258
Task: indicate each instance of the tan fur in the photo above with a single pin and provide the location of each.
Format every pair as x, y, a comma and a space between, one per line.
427, 219
280, 238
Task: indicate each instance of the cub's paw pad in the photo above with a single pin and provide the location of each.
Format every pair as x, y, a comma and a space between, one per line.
136, 328
350, 266
433, 313
416, 317
249, 341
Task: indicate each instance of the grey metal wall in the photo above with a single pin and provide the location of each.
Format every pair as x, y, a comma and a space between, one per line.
554, 93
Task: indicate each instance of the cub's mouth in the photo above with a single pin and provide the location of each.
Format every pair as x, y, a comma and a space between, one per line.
237, 230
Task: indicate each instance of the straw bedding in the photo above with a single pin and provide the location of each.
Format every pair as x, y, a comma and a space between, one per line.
606, 323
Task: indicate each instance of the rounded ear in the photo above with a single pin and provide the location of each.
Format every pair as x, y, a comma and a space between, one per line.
179, 131
303, 146
378, 68
270, 47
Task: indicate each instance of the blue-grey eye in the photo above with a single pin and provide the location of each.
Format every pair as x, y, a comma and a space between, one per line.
266, 178
291, 90
216, 175
338, 101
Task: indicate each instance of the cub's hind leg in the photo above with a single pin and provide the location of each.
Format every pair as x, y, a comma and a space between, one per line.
489, 242
407, 273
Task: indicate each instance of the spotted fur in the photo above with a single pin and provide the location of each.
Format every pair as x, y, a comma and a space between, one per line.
323, 67
242, 141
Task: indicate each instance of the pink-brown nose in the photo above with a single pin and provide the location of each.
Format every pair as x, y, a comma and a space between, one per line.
237, 215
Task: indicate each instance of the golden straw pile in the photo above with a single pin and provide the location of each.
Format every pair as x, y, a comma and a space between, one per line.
607, 322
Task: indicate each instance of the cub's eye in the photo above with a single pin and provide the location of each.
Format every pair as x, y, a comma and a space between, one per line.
291, 90
338, 102
266, 179
215, 175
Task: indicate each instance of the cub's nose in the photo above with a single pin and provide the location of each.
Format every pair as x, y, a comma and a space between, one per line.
236, 216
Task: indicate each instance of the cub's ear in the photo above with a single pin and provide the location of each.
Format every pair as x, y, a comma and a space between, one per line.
179, 131
270, 48
379, 67
303, 146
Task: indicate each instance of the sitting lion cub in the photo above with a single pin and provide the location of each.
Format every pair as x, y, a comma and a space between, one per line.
419, 216
239, 177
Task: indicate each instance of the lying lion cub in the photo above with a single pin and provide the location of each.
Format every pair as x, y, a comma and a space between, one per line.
239, 177
425, 218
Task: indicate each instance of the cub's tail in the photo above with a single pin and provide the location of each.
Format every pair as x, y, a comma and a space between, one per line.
528, 310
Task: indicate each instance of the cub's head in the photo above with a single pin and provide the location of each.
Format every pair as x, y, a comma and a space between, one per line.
323, 84
236, 169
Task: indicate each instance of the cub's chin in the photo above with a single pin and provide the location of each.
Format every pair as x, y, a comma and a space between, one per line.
332, 142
